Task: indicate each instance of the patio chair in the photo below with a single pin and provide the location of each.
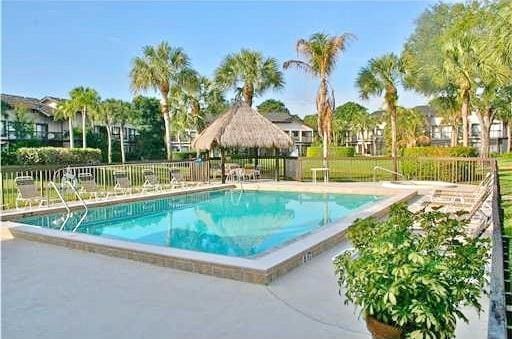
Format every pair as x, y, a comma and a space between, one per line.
88, 186
177, 179
451, 196
151, 181
123, 184
28, 193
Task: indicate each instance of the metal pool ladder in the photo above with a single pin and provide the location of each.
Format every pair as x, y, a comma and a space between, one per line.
66, 206
386, 170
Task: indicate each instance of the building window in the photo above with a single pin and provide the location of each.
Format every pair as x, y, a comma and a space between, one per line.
116, 131
496, 131
4, 128
41, 131
446, 132
436, 132
475, 130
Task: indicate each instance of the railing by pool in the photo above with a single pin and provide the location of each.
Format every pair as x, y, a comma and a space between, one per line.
103, 174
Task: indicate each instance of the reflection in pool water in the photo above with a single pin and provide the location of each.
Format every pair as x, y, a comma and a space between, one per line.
232, 222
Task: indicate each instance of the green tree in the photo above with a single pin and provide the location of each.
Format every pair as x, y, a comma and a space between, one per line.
503, 107
159, 68
349, 118
320, 53
272, 106
383, 75
249, 73
23, 125
124, 115
447, 105
85, 100
107, 114
412, 127
67, 110
150, 125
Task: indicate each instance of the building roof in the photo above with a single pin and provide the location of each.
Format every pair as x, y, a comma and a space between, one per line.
281, 118
30, 103
241, 126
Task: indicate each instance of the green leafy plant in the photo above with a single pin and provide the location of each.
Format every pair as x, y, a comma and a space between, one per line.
58, 155
414, 271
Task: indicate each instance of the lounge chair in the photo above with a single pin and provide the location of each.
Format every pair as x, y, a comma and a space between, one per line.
123, 184
151, 181
88, 186
27, 192
177, 179
451, 196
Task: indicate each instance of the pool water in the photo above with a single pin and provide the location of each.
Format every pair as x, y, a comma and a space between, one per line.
229, 222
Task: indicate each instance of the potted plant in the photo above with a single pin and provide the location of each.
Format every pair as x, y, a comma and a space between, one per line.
412, 273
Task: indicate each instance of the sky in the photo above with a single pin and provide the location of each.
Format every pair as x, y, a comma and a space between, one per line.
50, 47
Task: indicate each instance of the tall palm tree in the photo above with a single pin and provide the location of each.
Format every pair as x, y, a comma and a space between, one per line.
320, 53
249, 73
383, 75
85, 100
67, 110
447, 105
504, 111
159, 68
123, 116
107, 114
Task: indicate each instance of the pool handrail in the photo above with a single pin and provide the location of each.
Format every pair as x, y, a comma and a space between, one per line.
386, 170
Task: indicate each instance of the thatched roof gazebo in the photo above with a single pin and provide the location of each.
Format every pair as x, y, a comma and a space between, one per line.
241, 126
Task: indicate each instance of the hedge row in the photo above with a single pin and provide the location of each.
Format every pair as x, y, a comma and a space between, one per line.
451, 171
334, 152
439, 152
58, 155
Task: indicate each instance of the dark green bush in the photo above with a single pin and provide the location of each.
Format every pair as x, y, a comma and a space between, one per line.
334, 152
178, 156
439, 152
58, 155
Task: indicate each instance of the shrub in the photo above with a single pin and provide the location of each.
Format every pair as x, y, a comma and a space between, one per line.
58, 155
414, 272
425, 169
334, 152
179, 156
435, 151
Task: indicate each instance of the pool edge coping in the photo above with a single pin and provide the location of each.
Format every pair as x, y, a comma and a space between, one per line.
262, 269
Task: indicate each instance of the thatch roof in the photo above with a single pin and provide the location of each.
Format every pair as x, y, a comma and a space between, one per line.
243, 127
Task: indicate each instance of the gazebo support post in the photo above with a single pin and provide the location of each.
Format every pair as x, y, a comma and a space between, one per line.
277, 164
256, 154
222, 166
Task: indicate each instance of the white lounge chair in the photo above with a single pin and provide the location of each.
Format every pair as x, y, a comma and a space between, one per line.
151, 181
88, 186
123, 184
28, 192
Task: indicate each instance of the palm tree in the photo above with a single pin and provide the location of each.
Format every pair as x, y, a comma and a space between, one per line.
383, 75
249, 73
159, 68
320, 53
447, 105
123, 116
107, 114
85, 100
67, 110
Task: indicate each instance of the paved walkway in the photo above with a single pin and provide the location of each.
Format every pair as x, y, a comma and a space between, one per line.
54, 292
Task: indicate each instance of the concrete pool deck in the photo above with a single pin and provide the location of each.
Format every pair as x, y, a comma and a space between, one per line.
54, 292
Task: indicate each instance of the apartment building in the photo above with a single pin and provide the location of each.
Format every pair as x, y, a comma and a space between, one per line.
39, 118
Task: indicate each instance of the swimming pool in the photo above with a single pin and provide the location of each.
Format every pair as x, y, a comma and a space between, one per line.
227, 222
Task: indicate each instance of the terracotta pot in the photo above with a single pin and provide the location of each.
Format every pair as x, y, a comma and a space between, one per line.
380, 330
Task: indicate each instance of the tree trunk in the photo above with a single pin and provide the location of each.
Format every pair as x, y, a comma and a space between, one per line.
109, 144
164, 106
485, 118
464, 112
394, 150
84, 136
71, 136
454, 136
509, 136
121, 135
222, 166
248, 93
